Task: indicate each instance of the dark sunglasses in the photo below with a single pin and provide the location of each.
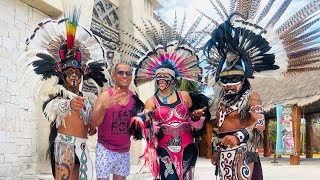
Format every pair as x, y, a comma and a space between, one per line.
233, 79
69, 74
127, 73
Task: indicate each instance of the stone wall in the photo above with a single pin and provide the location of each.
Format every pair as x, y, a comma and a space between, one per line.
18, 125
23, 134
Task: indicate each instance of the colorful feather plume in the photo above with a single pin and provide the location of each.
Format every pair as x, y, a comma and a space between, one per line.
163, 45
42, 59
72, 13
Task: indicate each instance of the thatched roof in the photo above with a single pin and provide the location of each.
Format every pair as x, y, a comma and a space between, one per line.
302, 89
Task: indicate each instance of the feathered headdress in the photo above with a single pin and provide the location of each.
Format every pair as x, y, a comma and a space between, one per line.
163, 45
246, 42
57, 45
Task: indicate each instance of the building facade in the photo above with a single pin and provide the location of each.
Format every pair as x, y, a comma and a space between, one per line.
23, 129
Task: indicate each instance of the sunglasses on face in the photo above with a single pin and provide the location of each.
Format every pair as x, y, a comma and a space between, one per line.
127, 73
70, 73
234, 79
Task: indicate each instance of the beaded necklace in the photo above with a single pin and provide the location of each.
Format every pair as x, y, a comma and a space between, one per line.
164, 98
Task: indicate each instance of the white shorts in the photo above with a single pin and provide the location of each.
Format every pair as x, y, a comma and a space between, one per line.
110, 162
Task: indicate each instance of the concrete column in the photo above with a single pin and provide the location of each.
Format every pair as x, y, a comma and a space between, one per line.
127, 10
309, 136
296, 121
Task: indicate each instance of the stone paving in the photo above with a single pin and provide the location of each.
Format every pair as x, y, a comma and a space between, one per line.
308, 169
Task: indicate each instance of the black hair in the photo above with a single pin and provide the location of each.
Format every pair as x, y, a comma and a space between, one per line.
124, 63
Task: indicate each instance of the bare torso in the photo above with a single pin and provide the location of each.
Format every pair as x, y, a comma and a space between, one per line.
74, 126
232, 122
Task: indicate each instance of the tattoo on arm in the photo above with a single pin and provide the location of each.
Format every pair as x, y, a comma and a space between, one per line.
256, 110
260, 124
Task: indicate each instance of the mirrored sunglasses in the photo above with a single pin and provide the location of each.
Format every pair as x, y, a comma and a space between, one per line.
127, 73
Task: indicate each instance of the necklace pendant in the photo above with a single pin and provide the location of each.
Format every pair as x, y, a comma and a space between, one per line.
165, 100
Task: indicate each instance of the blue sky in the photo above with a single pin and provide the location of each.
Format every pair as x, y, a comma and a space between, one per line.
191, 7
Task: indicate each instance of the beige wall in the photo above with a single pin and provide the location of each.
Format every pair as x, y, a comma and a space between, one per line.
54, 9
18, 125
23, 136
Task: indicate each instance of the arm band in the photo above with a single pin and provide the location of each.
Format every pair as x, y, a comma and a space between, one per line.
242, 135
142, 116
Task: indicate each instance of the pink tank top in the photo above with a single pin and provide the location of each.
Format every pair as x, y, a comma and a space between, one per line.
113, 132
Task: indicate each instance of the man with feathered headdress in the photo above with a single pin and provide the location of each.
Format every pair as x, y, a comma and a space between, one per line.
238, 48
60, 55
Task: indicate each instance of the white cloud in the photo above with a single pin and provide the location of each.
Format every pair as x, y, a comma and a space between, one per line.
191, 7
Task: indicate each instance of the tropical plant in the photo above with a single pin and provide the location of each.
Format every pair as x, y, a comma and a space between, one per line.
272, 134
185, 85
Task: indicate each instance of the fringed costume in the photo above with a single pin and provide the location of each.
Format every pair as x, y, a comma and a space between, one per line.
54, 47
170, 152
245, 43
175, 141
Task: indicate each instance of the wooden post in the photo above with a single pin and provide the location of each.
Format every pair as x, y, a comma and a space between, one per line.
203, 145
266, 139
309, 136
296, 121
205, 142
209, 129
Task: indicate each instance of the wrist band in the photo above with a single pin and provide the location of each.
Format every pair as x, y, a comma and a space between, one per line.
242, 135
142, 116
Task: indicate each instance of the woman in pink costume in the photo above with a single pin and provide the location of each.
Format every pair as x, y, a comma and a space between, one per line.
170, 116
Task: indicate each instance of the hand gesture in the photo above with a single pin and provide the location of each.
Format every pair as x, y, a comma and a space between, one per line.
199, 112
229, 141
77, 103
92, 131
114, 99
